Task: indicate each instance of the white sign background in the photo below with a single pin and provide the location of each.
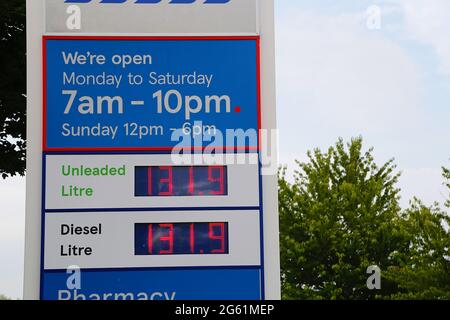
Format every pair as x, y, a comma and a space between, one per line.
118, 191
236, 17
113, 251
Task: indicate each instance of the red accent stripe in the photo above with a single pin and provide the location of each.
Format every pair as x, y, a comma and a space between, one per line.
44, 94
258, 88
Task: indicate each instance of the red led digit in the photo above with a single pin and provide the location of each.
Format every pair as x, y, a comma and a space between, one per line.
220, 179
168, 181
220, 237
168, 238
192, 238
191, 180
150, 239
149, 181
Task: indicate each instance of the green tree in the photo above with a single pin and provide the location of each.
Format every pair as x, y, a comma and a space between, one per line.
12, 87
3, 297
424, 270
338, 217
446, 174
341, 214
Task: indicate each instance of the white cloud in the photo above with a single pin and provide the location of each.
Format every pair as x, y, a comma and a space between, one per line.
333, 69
429, 23
428, 185
12, 234
336, 79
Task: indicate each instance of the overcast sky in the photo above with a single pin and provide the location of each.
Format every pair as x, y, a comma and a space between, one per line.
337, 77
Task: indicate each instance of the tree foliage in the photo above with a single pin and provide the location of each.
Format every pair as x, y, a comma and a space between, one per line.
340, 215
3, 297
424, 270
446, 174
12, 87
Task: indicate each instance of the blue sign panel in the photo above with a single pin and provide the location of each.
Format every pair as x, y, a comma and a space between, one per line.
149, 93
168, 284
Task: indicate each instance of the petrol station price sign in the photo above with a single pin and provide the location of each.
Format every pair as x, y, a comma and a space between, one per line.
151, 185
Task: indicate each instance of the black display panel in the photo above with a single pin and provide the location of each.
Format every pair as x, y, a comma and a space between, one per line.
166, 181
181, 238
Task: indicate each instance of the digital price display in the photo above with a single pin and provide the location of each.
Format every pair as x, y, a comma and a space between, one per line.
160, 181
181, 238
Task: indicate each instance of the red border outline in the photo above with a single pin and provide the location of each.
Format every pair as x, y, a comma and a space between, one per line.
149, 38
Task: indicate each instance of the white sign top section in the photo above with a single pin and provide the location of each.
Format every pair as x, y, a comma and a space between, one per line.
166, 17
